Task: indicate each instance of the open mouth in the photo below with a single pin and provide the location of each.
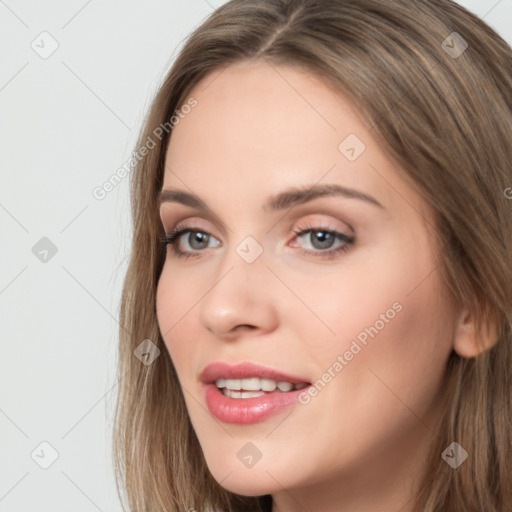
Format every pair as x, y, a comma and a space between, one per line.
255, 386
258, 391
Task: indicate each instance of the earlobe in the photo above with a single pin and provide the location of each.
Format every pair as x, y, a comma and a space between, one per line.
473, 338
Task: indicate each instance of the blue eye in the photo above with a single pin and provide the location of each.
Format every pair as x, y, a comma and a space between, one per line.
200, 238
321, 240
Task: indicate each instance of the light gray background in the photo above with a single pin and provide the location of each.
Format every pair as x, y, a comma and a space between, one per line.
67, 123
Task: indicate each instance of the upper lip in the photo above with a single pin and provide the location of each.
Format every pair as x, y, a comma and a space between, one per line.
220, 370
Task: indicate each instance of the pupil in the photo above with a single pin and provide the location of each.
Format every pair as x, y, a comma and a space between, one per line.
324, 239
201, 238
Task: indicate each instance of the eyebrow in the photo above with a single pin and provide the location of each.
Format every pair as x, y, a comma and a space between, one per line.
286, 199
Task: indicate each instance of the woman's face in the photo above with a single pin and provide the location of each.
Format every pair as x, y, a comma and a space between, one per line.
354, 306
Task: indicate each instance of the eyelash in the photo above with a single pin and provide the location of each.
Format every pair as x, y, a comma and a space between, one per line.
174, 237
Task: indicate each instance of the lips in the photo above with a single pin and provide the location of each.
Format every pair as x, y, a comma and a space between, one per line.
245, 408
220, 370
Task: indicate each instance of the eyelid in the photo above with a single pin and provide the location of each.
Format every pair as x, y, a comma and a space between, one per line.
180, 217
319, 221
315, 222
345, 236
192, 223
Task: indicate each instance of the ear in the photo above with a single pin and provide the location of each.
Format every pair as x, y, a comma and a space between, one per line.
473, 338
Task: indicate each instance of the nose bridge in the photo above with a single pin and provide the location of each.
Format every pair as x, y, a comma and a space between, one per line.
241, 293
245, 262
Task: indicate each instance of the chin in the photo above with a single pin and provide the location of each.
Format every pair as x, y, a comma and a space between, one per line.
248, 485
254, 481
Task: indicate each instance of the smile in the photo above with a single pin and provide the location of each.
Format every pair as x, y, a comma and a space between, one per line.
247, 393
255, 386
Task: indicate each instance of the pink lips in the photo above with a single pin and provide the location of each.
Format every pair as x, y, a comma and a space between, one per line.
246, 410
215, 371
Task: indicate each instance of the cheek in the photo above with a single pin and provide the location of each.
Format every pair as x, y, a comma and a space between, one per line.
388, 320
175, 299
344, 304
398, 341
166, 304
420, 341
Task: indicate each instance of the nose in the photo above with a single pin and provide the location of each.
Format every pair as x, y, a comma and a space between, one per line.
240, 299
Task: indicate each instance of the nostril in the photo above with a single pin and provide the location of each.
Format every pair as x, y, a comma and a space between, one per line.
245, 327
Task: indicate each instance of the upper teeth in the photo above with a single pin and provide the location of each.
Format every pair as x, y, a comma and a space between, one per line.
255, 384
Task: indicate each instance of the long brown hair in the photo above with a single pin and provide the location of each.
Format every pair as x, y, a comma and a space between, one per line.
438, 103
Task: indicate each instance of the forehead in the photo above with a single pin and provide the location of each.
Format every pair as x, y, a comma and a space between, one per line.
256, 105
259, 128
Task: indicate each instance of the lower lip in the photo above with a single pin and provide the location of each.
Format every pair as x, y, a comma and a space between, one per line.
247, 410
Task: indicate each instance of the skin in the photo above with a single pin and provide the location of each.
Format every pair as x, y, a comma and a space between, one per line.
361, 443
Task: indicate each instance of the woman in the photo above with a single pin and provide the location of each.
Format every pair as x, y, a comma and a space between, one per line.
321, 266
